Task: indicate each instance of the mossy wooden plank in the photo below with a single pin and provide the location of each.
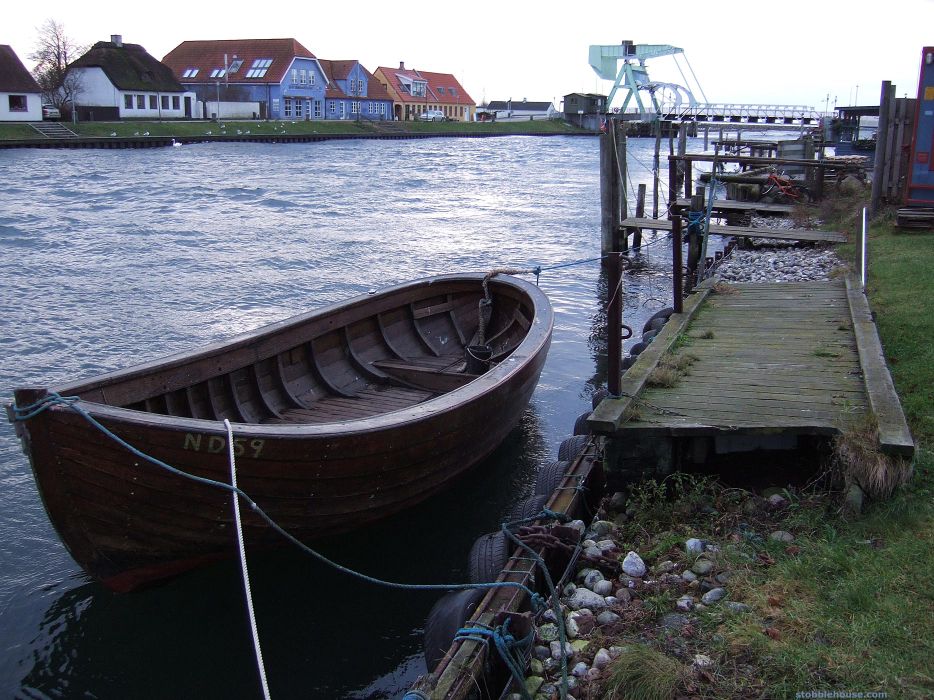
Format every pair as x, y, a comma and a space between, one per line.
742, 231
894, 435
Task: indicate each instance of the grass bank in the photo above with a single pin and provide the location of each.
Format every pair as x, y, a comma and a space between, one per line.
845, 605
190, 129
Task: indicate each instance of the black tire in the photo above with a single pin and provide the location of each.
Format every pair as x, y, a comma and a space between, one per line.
649, 337
637, 348
571, 447
446, 617
598, 396
580, 424
487, 557
654, 324
549, 476
661, 313
528, 508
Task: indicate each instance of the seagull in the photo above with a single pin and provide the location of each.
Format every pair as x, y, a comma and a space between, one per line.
247, 131
136, 133
113, 133
208, 133
145, 133
239, 132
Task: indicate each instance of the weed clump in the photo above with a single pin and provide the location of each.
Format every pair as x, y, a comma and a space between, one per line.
642, 673
856, 452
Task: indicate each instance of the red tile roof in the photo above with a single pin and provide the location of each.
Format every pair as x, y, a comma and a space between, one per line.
13, 74
439, 86
208, 55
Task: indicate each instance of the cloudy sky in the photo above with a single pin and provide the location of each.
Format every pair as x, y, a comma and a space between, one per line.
814, 53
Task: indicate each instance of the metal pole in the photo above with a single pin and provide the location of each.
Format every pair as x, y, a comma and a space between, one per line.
614, 317
676, 264
862, 255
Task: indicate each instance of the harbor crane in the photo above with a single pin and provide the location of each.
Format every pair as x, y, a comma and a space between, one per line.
634, 76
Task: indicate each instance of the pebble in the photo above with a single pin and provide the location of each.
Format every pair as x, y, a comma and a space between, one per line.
591, 579
603, 587
618, 501
776, 500
601, 528
585, 598
702, 661
607, 617
556, 650
580, 669
735, 607
685, 603
633, 565
702, 567
694, 546
623, 595
672, 621
782, 536
548, 632
542, 652
664, 567
601, 659
723, 576
607, 546
713, 595
689, 576
778, 261
578, 525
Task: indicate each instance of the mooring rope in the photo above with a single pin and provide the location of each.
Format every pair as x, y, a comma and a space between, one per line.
506, 644
243, 567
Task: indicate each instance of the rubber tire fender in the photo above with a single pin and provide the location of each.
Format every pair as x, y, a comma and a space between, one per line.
549, 476
598, 396
580, 424
446, 617
661, 313
637, 348
570, 448
649, 337
527, 508
656, 324
487, 557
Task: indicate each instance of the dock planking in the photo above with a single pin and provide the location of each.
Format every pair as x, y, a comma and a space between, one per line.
796, 358
809, 235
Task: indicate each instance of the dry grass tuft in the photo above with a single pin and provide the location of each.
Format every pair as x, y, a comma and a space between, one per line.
642, 673
670, 369
856, 451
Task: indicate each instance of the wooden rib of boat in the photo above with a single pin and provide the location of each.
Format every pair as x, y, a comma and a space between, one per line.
341, 417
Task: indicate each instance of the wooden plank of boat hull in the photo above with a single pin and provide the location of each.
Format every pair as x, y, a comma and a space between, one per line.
221, 400
329, 362
200, 402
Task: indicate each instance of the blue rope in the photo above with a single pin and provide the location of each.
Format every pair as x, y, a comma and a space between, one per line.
506, 645
53, 399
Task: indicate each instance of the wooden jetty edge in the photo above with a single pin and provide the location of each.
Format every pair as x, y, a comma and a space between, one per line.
776, 359
742, 231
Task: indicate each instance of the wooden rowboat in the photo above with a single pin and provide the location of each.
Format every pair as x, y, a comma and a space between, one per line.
341, 417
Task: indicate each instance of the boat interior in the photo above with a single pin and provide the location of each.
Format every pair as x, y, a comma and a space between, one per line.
333, 372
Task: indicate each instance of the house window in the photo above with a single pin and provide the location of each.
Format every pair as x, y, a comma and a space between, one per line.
295, 75
372, 108
190, 72
382, 108
343, 110
355, 108
128, 101
440, 90
418, 89
298, 108
18, 103
235, 66
165, 102
333, 107
153, 102
287, 106
141, 102
218, 73
176, 102
453, 91
317, 104
259, 68
302, 77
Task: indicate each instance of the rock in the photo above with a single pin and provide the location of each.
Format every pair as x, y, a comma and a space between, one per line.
700, 607
578, 525
850, 185
615, 651
580, 669
713, 595
533, 683
782, 536
583, 621
664, 567
603, 587
579, 645
776, 500
568, 590
549, 615
593, 674
618, 501
673, 621
712, 548
611, 600
735, 607
571, 629
607, 617
593, 551
585, 598
685, 603
853, 500
536, 667
556, 650
694, 546
551, 665
689, 576
633, 565
589, 542
548, 632
623, 595
702, 661
750, 507
702, 567
601, 659
592, 577
601, 528
541, 652
772, 490
724, 576
607, 546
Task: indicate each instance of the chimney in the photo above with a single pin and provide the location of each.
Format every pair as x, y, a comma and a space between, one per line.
116, 40
401, 65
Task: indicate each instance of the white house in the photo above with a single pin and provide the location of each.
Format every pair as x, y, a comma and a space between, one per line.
521, 110
20, 97
122, 81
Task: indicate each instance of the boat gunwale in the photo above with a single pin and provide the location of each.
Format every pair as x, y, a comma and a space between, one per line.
536, 339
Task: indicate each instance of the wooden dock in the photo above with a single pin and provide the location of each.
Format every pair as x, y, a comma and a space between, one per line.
809, 235
731, 206
767, 359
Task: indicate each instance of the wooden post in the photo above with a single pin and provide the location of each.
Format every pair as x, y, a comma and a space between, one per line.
656, 167
706, 136
682, 150
677, 278
878, 170
614, 322
640, 212
694, 242
609, 192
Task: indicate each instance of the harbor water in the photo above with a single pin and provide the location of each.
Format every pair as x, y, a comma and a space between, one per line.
116, 257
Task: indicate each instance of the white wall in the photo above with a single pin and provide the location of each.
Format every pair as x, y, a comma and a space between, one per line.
33, 111
98, 91
231, 110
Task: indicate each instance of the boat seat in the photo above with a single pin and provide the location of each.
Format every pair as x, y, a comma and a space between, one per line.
438, 374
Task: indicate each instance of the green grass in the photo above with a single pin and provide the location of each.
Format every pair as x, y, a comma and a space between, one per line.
363, 127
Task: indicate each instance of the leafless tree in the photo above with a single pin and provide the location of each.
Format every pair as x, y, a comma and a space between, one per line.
54, 50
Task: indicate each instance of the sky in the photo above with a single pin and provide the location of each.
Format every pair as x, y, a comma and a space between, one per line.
819, 53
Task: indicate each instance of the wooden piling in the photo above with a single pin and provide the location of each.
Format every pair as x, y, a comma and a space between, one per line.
609, 192
885, 107
614, 318
677, 277
656, 170
640, 213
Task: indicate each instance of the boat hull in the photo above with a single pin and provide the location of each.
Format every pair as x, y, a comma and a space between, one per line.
127, 521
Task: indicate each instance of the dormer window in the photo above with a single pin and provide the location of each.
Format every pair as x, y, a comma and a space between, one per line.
218, 73
235, 65
419, 88
259, 68
190, 72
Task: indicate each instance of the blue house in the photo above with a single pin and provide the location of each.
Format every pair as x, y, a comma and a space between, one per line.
353, 92
251, 78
